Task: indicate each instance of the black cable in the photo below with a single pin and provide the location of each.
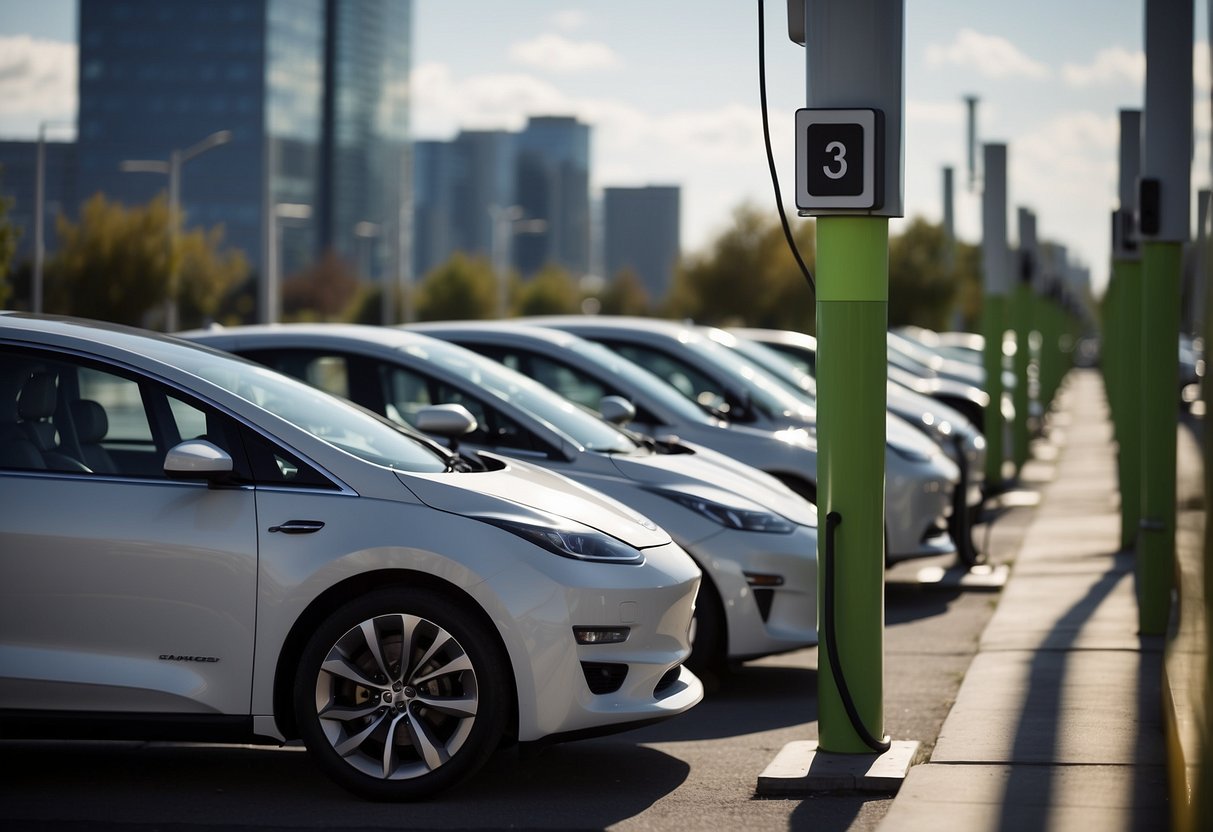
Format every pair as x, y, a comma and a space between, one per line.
833, 521
766, 136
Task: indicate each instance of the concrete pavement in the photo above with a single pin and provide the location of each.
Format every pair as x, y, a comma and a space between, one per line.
1058, 724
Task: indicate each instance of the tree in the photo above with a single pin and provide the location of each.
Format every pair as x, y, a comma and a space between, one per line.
8, 247
550, 292
625, 295
922, 284
114, 265
328, 290
748, 277
461, 288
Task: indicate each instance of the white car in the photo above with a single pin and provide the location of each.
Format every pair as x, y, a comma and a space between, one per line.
596, 378
197, 548
754, 539
919, 479
956, 436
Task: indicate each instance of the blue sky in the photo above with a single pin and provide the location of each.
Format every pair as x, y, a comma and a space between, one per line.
671, 89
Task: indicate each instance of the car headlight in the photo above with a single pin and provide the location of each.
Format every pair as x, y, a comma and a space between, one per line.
732, 517
571, 541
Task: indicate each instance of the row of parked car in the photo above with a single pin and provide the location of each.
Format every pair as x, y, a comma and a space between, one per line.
403, 546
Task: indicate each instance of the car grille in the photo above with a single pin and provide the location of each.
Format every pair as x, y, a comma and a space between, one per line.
604, 677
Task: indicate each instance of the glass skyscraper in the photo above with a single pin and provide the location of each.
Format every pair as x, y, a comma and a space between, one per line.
641, 233
314, 92
553, 185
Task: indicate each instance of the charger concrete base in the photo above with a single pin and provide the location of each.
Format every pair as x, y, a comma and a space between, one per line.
802, 769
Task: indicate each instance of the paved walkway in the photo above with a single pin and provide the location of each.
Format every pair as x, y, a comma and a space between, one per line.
1058, 724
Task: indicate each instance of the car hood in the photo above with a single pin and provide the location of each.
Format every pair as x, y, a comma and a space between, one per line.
697, 470
531, 494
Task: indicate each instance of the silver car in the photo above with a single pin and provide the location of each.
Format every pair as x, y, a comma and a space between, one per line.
956, 436
919, 478
754, 539
197, 548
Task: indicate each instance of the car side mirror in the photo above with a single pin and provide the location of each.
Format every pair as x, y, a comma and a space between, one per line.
198, 459
447, 420
617, 410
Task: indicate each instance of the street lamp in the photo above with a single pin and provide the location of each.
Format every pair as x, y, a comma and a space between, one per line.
270, 304
508, 222
368, 232
172, 168
40, 211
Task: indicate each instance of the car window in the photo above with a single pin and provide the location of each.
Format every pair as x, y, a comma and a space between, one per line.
406, 392
324, 416
687, 380
70, 415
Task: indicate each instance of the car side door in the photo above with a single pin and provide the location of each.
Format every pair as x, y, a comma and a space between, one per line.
123, 590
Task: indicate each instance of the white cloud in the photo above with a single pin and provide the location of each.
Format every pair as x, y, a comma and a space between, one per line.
990, 55
442, 104
569, 20
1115, 65
557, 53
949, 113
37, 83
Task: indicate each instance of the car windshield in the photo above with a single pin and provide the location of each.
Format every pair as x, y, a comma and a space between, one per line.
641, 379
765, 392
779, 366
568, 419
326, 417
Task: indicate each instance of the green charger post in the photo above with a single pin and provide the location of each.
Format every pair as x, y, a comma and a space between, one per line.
1164, 216
852, 372
849, 175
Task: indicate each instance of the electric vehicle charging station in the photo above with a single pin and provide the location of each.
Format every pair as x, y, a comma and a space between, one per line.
1022, 320
1163, 202
849, 175
996, 268
1126, 288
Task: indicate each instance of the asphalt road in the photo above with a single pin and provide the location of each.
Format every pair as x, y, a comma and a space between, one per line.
695, 772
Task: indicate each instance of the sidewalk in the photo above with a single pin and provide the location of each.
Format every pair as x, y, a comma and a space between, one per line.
1058, 723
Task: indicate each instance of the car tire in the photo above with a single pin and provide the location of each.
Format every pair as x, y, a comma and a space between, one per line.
393, 730
709, 637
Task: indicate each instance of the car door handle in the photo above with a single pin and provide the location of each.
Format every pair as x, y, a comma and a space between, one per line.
298, 527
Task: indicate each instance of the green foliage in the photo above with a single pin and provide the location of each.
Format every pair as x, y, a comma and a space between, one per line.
625, 295
748, 277
461, 288
114, 265
8, 247
922, 285
550, 292
329, 290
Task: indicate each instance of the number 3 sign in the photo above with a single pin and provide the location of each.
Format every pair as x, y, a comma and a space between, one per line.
837, 160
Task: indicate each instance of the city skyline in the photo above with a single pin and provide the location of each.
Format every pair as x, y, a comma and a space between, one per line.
668, 108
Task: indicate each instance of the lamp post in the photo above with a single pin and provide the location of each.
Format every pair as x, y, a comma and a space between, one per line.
507, 222
367, 232
172, 168
40, 211
271, 293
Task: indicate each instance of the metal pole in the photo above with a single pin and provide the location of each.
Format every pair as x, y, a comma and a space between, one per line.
39, 218
996, 267
1022, 320
1126, 276
971, 104
854, 59
174, 220
1166, 161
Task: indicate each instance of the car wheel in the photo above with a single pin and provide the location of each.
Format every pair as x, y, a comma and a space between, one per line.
400, 694
709, 640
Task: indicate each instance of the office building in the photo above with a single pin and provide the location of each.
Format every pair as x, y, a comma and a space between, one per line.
553, 185
641, 233
313, 92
